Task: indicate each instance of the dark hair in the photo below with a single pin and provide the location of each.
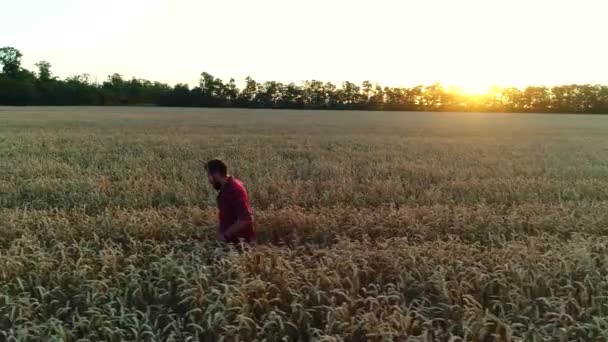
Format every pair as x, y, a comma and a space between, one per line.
216, 166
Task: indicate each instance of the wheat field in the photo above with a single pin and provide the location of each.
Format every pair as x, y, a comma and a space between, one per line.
372, 226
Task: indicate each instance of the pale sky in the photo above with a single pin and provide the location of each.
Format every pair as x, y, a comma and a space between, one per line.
470, 43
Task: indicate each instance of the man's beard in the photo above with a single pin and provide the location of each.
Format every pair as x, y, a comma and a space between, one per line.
217, 186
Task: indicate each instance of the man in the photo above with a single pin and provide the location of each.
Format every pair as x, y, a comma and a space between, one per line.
236, 221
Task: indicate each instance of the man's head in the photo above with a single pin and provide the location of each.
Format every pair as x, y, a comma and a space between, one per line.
217, 172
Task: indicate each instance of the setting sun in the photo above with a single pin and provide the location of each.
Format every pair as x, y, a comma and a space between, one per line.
468, 88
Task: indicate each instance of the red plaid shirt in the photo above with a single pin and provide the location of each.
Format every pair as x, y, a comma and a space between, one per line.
233, 204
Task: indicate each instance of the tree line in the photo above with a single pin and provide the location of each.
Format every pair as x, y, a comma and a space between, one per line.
19, 86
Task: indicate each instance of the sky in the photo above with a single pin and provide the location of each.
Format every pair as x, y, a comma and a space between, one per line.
467, 43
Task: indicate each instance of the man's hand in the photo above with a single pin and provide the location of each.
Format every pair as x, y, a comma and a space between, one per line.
219, 236
235, 229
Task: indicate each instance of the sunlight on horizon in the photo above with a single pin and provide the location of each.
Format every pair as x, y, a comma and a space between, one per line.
467, 89
471, 44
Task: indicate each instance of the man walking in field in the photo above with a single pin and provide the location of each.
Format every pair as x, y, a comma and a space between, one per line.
236, 221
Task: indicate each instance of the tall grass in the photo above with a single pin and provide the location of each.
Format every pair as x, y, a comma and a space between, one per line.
372, 226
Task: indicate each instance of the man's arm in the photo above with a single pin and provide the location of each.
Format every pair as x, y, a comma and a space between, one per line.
219, 236
235, 229
239, 200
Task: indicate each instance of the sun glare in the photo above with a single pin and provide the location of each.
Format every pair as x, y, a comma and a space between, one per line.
469, 88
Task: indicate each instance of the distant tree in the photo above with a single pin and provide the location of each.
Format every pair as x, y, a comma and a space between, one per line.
293, 96
586, 96
449, 101
19, 86
561, 99
77, 90
10, 58
246, 98
602, 100
15, 92
135, 90
495, 99
376, 98
513, 99
210, 91
269, 94
231, 93
46, 86
179, 96
350, 96
44, 71
366, 88
332, 98
536, 99
432, 96
315, 96
393, 98
113, 90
